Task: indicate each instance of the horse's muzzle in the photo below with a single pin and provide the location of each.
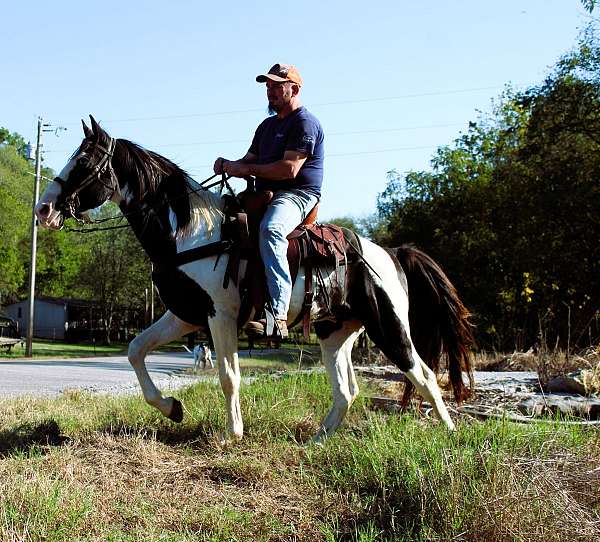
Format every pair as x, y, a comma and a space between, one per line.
49, 218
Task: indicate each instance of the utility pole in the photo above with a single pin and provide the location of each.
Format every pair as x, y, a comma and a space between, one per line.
36, 197
151, 294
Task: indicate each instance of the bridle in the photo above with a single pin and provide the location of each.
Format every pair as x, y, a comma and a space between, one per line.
98, 173
104, 169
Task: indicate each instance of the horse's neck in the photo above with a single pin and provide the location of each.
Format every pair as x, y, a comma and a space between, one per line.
155, 224
206, 216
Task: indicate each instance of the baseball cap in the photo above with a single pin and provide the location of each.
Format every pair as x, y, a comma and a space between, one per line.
281, 72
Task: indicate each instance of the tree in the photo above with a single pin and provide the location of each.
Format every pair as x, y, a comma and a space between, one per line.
589, 5
510, 208
14, 140
114, 272
16, 194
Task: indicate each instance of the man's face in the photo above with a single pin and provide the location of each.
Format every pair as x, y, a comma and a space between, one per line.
279, 94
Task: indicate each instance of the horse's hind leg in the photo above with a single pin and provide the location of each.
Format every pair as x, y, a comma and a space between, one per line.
425, 382
336, 349
167, 329
385, 315
396, 344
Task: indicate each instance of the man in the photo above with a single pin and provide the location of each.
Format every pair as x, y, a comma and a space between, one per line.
286, 156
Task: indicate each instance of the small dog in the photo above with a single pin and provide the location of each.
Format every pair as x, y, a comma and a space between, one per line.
202, 354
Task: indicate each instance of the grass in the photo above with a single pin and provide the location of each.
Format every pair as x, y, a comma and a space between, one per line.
86, 467
48, 348
44, 349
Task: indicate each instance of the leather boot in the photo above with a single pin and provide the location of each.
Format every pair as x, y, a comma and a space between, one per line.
257, 329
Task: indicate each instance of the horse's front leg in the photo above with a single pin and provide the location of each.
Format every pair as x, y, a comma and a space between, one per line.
224, 333
167, 329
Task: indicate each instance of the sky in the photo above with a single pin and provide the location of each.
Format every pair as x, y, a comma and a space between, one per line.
390, 80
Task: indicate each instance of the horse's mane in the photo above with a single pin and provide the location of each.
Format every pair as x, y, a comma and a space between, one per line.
164, 183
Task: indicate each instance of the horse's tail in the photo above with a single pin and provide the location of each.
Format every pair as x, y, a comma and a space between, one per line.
439, 322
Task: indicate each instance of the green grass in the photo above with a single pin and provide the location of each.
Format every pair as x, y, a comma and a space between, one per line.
47, 348
85, 467
44, 349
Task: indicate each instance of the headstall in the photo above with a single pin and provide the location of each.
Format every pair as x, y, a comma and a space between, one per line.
98, 173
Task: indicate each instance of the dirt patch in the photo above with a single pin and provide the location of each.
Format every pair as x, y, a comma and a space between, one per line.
516, 394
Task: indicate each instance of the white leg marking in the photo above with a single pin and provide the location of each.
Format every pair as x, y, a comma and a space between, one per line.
336, 351
224, 332
167, 329
426, 384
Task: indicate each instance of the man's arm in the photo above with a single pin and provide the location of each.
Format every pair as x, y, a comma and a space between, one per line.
284, 169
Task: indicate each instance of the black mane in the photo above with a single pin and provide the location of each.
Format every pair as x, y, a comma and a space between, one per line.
154, 179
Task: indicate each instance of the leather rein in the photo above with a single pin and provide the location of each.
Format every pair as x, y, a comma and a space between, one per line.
104, 168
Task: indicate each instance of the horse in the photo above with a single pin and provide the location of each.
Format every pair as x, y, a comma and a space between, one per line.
400, 297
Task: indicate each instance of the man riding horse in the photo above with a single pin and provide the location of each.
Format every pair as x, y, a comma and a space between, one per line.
286, 157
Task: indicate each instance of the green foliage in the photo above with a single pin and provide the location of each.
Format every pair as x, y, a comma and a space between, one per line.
589, 5
367, 226
16, 198
346, 222
510, 209
108, 267
14, 140
113, 270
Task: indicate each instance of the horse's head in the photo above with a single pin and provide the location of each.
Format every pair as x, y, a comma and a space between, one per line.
86, 182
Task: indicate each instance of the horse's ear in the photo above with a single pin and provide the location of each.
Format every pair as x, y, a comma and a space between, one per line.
86, 130
95, 126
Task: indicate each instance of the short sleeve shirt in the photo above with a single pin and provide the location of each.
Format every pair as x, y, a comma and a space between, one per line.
299, 131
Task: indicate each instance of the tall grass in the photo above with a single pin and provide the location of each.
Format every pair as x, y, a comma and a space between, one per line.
86, 467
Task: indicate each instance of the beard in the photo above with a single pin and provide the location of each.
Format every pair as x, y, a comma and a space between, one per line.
273, 109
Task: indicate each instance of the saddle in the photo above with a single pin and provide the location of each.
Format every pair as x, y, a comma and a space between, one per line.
311, 245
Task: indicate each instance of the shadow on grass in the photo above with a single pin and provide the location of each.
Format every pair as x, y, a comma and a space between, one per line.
195, 437
31, 435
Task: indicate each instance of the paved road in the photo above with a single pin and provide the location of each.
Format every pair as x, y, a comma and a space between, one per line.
45, 377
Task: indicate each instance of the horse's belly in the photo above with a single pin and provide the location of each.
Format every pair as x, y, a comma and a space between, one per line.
183, 296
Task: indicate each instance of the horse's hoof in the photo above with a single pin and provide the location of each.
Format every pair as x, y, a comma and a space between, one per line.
176, 413
225, 439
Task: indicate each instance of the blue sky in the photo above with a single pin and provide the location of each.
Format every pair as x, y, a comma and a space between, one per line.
389, 80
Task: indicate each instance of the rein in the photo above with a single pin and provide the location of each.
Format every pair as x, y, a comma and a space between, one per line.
105, 164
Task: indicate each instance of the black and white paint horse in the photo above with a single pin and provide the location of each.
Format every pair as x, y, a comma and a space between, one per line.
169, 215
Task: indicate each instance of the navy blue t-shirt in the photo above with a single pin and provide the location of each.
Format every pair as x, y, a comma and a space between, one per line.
299, 131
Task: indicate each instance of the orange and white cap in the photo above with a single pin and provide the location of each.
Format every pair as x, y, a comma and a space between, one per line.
280, 73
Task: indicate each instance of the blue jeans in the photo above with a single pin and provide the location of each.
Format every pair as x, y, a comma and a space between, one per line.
287, 210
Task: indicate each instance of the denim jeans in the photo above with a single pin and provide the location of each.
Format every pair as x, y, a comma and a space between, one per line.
287, 210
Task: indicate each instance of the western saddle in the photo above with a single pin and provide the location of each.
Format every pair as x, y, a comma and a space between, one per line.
311, 245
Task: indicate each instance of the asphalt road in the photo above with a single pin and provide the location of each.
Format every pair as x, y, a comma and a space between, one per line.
47, 377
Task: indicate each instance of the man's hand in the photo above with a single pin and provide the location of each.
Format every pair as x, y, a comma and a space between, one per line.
237, 168
233, 168
218, 167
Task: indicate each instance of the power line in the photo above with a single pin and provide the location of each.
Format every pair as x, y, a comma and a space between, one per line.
322, 104
329, 134
340, 154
